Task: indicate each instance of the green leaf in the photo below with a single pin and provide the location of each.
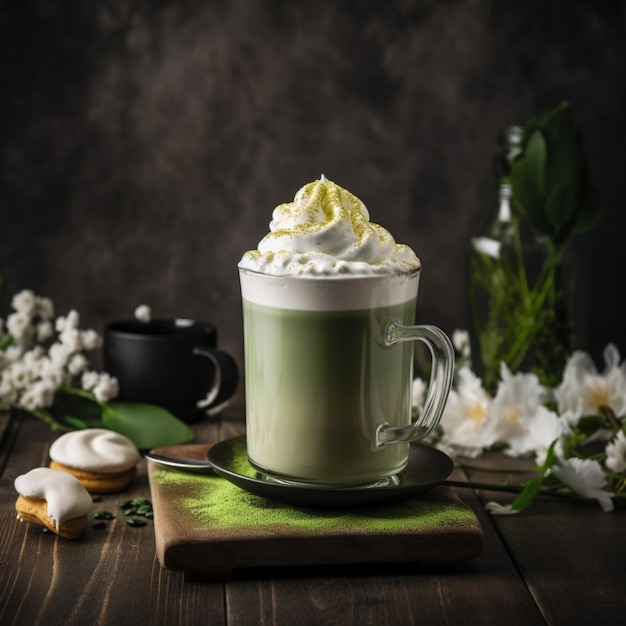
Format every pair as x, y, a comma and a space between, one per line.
561, 205
591, 210
528, 182
146, 425
565, 159
528, 494
75, 422
83, 422
78, 407
533, 487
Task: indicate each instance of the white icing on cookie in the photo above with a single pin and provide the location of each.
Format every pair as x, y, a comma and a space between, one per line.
65, 496
95, 450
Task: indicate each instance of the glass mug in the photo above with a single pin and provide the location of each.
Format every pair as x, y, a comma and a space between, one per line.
328, 376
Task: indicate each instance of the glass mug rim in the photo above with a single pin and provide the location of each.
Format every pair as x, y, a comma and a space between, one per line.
338, 277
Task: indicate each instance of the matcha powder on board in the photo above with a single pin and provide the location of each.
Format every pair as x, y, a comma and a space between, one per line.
211, 502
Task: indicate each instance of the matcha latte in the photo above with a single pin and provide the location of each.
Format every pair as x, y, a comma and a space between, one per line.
329, 301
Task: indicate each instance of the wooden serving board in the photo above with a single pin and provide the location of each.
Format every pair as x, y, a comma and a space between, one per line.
207, 527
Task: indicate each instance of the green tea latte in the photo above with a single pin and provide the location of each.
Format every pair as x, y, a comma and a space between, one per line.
317, 385
329, 301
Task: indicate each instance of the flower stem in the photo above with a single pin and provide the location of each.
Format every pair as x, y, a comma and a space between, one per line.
508, 488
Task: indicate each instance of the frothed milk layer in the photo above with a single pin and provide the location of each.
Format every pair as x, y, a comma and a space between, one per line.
349, 293
326, 231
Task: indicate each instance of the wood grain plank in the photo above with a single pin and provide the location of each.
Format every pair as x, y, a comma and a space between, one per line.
108, 576
571, 555
488, 591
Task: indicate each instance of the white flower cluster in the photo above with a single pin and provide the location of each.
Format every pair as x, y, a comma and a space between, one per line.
31, 374
517, 416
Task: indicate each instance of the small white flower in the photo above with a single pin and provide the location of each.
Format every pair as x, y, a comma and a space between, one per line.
24, 302
518, 401
32, 357
70, 322
90, 339
59, 353
585, 476
13, 353
461, 341
19, 374
485, 245
465, 421
8, 391
77, 365
616, 453
547, 428
143, 313
71, 338
583, 385
89, 380
52, 372
20, 326
44, 308
106, 389
44, 330
542, 433
39, 396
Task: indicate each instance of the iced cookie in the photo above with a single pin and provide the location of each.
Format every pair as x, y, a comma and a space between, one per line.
53, 499
103, 461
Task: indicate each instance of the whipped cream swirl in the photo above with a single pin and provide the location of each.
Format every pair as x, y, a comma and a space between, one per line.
326, 231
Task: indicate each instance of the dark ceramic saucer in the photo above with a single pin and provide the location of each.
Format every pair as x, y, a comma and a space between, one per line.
426, 469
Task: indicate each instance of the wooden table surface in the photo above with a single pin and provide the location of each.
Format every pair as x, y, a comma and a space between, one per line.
561, 562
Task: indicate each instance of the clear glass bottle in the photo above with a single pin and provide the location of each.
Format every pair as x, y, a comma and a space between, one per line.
518, 295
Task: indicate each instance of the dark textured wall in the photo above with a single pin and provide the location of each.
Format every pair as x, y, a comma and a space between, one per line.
144, 144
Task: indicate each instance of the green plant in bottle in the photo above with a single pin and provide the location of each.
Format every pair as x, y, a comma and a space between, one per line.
518, 287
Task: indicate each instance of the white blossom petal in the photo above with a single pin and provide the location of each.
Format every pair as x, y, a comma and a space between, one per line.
106, 389
19, 325
517, 403
488, 246
465, 421
585, 476
89, 380
143, 313
44, 331
500, 509
90, 340
24, 302
616, 453
461, 341
583, 386
44, 308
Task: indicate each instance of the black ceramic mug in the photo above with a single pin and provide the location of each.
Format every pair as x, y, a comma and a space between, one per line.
173, 363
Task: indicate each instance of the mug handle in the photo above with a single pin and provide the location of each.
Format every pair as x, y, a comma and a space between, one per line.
225, 378
442, 373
